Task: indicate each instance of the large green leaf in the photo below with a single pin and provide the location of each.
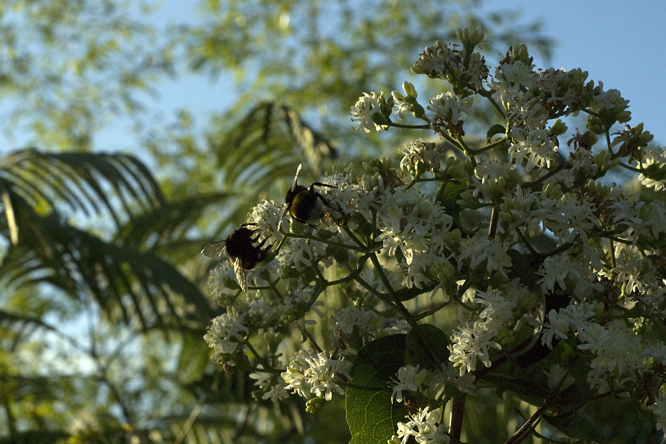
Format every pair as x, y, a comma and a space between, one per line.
426, 346
371, 416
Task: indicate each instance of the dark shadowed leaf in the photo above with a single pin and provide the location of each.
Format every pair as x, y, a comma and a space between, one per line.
371, 416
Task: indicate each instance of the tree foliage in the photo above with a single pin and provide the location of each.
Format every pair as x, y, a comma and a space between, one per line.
103, 310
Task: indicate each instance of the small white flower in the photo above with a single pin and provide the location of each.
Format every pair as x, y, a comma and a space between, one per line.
227, 332
555, 270
606, 101
425, 427
447, 107
266, 218
363, 111
510, 78
409, 378
556, 328
469, 343
445, 376
499, 304
272, 384
480, 248
655, 158
420, 156
535, 145
349, 320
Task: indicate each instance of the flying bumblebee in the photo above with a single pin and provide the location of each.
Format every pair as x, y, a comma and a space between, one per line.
242, 249
304, 204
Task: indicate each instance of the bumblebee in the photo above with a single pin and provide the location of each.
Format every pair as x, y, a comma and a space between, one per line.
305, 204
242, 249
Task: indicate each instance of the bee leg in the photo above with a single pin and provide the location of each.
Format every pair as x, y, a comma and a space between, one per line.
319, 184
328, 204
323, 199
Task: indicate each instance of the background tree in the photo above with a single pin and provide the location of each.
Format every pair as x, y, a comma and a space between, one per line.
102, 314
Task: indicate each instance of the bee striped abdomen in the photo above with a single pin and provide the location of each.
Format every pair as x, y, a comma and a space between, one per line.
306, 206
242, 249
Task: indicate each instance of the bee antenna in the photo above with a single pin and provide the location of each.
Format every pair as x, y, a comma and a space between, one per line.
298, 170
292, 190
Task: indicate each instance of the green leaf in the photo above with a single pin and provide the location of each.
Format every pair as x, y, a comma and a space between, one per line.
371, 416
610, 419
522, 269
426, 346
449, 194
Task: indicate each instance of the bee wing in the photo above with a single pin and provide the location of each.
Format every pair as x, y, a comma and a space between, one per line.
214, 250
240, 274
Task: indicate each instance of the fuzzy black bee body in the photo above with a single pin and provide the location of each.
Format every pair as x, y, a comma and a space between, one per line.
305, 204
242, 249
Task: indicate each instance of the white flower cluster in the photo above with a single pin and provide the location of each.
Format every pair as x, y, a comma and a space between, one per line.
508, 249
475, 338
420, 157
654, 159
311, 373
617, 354
425, 426
367, 111
227, 334
352, 323
406, 221
447, 109
410, 379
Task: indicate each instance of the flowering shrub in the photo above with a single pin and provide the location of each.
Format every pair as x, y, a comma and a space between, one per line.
516, 265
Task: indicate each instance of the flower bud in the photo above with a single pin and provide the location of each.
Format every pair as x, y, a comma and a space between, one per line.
504, 337
397, 97
273, 339
394, 440
558, 128
313, 405
470, 38
520, 54
409, 90
602, 158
